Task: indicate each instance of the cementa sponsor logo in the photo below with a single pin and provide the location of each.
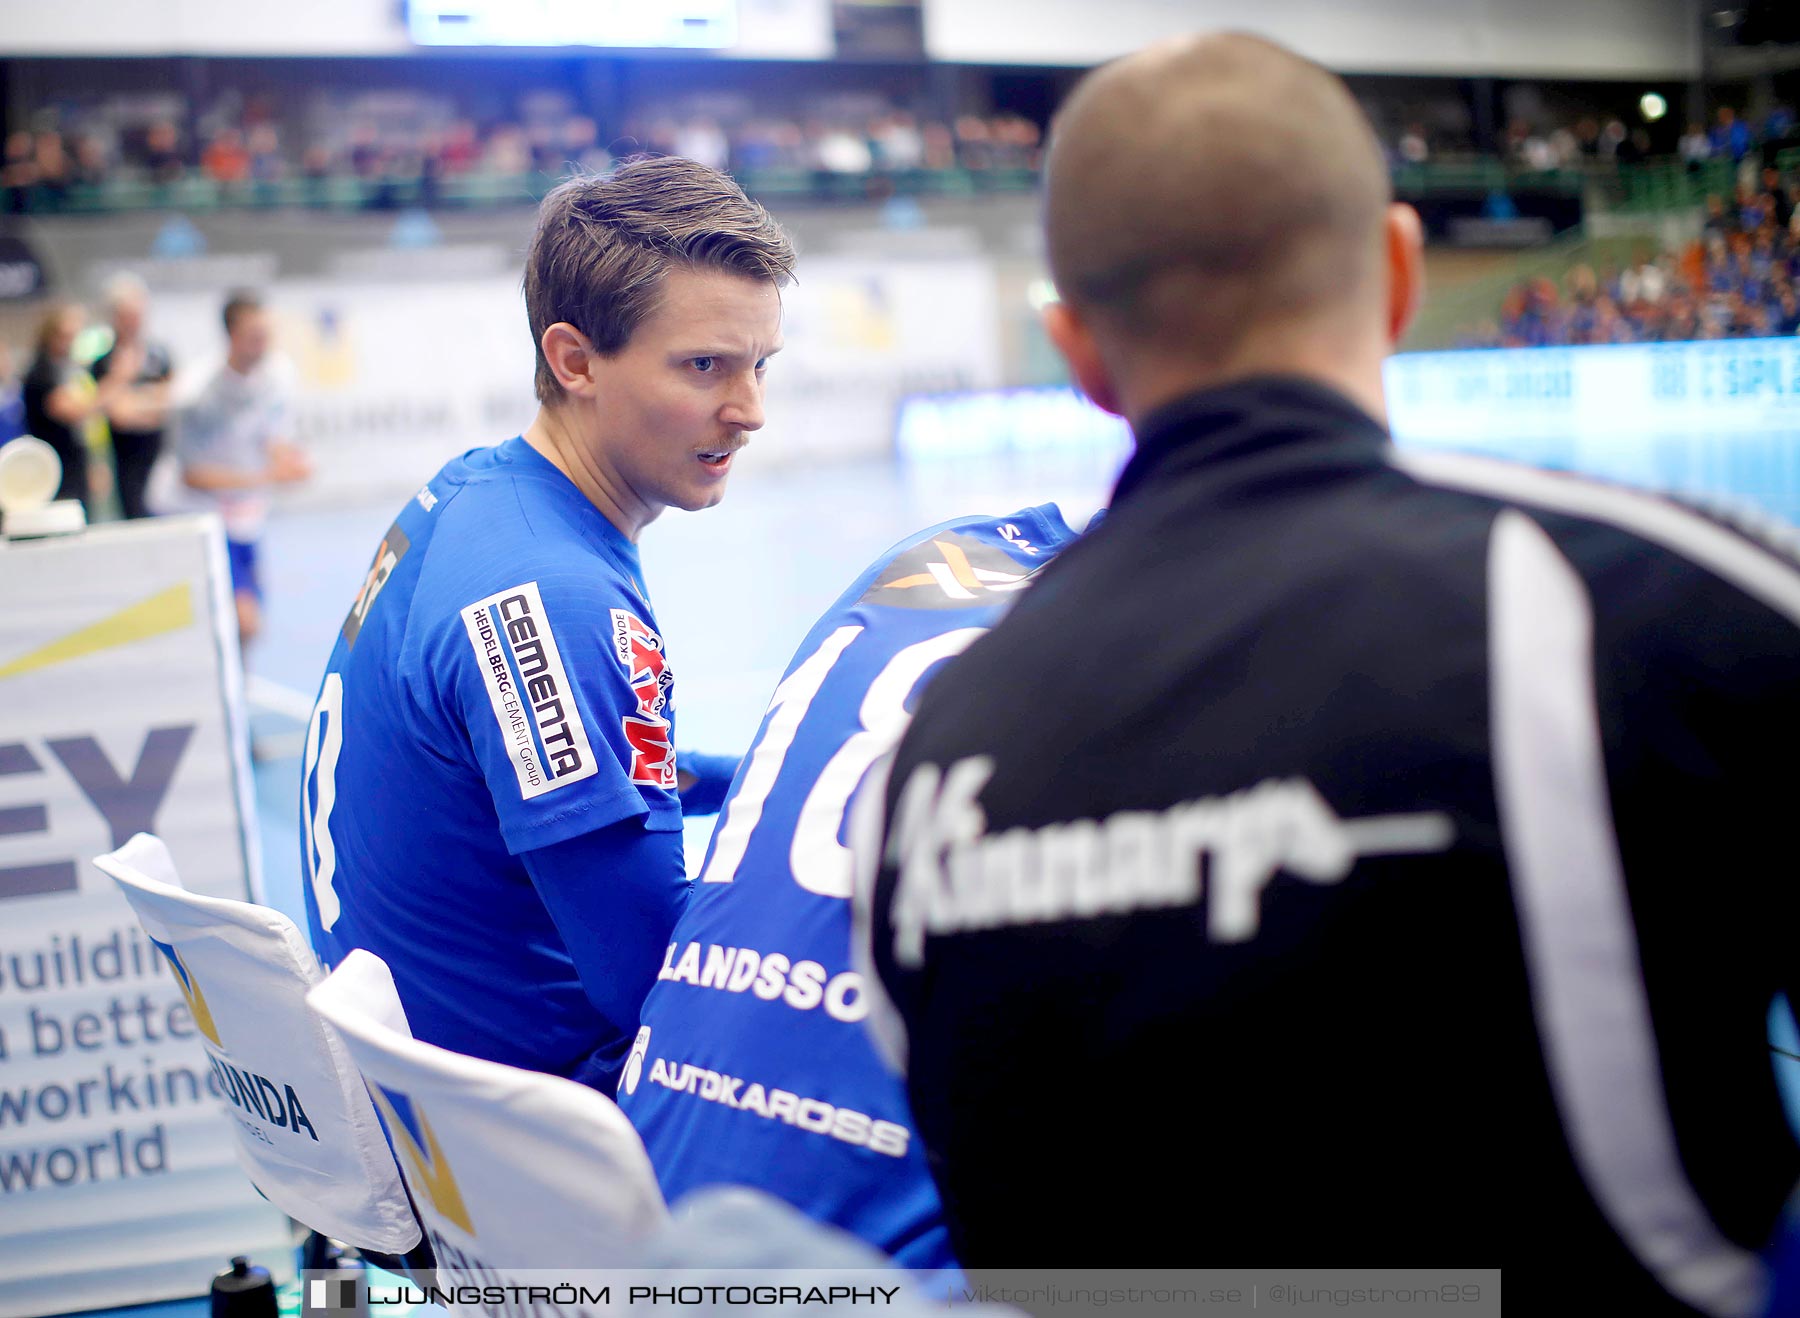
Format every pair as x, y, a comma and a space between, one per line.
533, 702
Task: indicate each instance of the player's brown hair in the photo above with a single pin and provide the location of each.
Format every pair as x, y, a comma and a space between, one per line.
603, 244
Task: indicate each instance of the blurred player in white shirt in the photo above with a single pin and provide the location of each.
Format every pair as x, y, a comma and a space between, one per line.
234, 446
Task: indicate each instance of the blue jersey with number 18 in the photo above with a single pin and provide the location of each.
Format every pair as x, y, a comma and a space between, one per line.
751, 1065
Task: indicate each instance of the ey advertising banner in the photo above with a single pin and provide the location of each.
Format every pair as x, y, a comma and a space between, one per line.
119, 713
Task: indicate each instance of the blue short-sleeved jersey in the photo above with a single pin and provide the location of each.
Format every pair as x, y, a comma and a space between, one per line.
752, 1065
498, 687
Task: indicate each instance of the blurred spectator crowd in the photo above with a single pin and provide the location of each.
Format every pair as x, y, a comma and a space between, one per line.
1739, 279
261, 147
424, 143
1528, 146
1589, 140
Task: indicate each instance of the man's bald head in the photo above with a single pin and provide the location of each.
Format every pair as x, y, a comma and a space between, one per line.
1207, 186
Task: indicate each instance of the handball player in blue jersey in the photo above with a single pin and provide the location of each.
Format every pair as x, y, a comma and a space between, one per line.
752, 1066
491, 800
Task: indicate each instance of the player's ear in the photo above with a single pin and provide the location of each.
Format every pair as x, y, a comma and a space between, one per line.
1075, 341
571, 357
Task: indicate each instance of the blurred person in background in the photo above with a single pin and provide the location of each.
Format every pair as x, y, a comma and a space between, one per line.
1565, 147
899, 146
582, 152
508, 152
1786, 319
91, 162
266, 162
18, 172
460, 150
838, 149
65, 406
225, 159
545, 144
974, 143
162, 153
234, 444
491, 796
1614, 138
12, 403
1695, 147
1730, 136
317, 163
1780, 201
1538, 152
50, 169
1413, 148
1402, 867
140, 410
700, 138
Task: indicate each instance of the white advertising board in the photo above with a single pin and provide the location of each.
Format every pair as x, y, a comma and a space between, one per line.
1715, 419
765, 29
392, 380
119, 712
1594, 39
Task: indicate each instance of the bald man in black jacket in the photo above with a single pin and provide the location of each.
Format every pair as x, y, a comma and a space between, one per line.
1339, 858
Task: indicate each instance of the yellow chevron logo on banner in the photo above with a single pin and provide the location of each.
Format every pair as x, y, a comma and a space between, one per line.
166, 611
190, 989
413, 1135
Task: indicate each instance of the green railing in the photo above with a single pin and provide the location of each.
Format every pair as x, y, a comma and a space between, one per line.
1666, 185
1482, 174
1653, 185
349, 192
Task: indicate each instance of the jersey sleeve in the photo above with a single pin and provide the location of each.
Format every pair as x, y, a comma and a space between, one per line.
563, 692
614, 895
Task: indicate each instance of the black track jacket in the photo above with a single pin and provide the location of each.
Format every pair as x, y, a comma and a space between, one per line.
1353, 858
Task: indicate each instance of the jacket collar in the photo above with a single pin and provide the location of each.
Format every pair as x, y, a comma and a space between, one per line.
1243, 418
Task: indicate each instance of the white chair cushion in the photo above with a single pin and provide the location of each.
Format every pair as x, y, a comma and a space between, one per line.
510, 1169
304, 1127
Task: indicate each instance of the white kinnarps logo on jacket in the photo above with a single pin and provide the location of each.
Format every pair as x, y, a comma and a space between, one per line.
955, 876
533, 702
